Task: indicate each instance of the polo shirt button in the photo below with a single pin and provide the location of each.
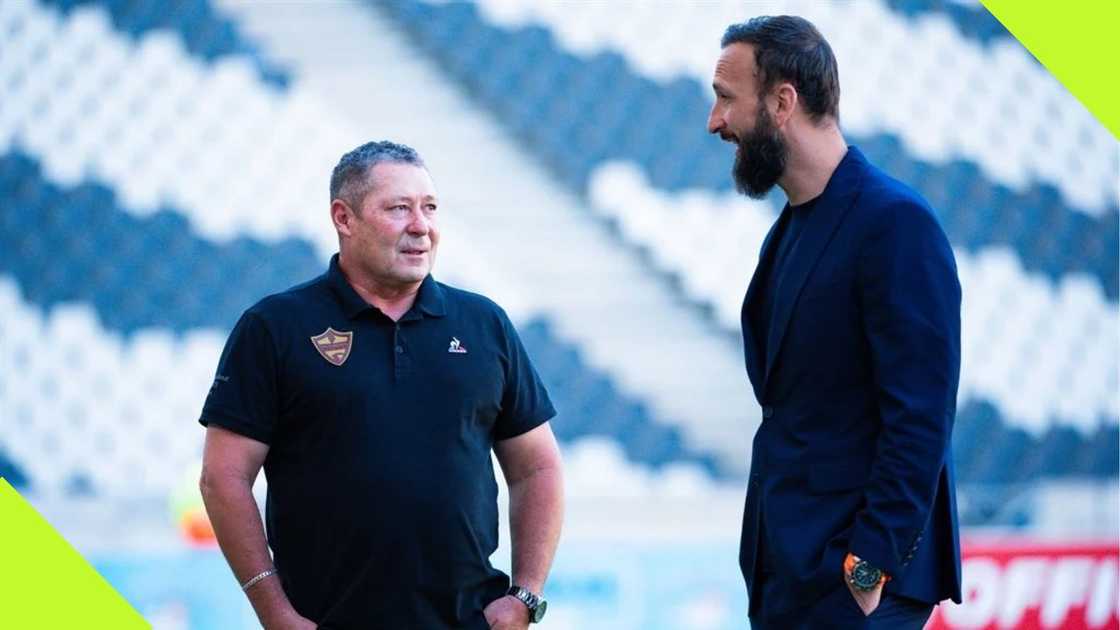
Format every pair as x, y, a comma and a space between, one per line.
767, 412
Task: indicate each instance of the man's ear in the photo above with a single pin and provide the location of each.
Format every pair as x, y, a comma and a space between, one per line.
784, 99
342, 216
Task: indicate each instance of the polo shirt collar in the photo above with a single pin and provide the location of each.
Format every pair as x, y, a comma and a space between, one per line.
430, 298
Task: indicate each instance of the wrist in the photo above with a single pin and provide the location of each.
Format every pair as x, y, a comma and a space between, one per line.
532, 601
280, 618
257, 579
530, 584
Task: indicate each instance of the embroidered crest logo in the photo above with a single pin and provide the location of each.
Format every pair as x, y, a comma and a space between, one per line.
456, 347
333, 345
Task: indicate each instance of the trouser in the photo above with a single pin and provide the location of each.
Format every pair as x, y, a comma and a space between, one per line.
838, 609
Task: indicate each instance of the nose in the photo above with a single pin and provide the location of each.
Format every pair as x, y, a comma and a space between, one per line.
420, 224
715, 120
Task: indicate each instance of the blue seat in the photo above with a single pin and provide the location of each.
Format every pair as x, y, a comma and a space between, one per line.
13, 473
976, 422
1100, 457
590, 405
203, 31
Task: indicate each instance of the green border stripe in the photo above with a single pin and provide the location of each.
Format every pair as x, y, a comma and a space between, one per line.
45, 583
1077, 42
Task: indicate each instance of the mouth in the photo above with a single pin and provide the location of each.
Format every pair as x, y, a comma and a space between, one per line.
727, 137
414, 251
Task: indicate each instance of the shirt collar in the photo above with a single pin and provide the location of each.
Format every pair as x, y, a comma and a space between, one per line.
430, 298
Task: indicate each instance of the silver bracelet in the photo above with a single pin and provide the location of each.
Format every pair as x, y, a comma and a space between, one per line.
257, 578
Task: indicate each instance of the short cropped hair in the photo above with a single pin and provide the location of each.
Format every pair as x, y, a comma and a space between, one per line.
350, 180
790, 48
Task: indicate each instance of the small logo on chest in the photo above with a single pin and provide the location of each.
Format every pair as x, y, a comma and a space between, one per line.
334, 346
456, 347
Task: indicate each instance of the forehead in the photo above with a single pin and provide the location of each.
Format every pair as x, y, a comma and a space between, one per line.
400, 179
735, 66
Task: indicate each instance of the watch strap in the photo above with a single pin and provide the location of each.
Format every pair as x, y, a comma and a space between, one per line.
535, 603
851, 562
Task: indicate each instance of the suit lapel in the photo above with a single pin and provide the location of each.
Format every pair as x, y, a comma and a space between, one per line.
820, 225
751, 349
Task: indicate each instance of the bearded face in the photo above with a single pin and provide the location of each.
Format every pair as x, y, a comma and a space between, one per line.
760, 158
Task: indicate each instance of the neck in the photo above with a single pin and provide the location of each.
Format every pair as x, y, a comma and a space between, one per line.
392, 299
813, 157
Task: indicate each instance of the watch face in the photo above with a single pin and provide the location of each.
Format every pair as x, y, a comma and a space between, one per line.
865, 577
538, 612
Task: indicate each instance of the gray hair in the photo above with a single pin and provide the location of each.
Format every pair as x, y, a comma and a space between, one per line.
350, 180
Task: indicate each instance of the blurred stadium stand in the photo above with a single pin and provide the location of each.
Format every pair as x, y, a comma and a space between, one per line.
162, 166
970, 19
204, 32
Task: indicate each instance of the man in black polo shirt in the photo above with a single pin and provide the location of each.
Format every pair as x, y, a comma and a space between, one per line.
372, 396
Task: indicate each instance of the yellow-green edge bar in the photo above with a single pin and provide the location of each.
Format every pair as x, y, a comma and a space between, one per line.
1077, 42
45, 583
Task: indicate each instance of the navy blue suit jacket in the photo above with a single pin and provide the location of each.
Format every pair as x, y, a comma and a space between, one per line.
858, 388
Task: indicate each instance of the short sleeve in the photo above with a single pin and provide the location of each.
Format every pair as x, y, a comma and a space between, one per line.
243, 396
525, 401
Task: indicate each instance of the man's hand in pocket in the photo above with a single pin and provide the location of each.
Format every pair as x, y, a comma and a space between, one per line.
868, 600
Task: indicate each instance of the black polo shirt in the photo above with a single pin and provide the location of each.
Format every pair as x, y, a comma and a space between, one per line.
382, 501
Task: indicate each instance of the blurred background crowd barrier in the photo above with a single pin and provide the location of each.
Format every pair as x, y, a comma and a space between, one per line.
163, 165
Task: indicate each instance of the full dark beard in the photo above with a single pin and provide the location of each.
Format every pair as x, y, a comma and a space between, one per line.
760, 159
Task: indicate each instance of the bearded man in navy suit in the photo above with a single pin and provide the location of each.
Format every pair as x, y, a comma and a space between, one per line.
851, 331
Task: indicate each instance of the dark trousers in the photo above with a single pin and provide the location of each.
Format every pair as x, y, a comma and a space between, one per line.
838, 609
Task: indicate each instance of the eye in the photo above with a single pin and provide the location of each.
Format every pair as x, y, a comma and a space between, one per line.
431, 207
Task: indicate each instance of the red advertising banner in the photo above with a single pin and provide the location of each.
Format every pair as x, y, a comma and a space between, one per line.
1035, 586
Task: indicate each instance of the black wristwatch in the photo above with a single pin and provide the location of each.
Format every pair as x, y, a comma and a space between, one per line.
865, 577
535, 603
